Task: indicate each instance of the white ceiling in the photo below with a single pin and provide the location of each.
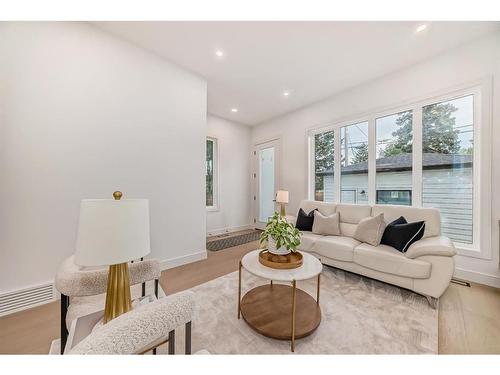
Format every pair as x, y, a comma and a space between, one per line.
312, 60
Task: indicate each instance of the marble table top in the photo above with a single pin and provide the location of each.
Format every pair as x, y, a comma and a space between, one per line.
310, 268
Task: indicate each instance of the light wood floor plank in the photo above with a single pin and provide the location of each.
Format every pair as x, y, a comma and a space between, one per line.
451, 324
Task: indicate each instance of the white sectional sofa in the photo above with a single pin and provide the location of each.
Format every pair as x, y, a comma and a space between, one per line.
426, 268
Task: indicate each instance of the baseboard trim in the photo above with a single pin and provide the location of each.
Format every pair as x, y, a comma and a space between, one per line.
216, 232
185, 259
477, 277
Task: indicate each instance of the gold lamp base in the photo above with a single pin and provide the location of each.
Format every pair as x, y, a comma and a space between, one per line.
118, 299
282, 210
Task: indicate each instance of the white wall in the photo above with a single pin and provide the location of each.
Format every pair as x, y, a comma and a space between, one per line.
82, 114
475, 61
233, 142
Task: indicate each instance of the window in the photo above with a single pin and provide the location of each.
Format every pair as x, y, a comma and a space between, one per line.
354, 163
401, 197
394, 157
447, 162
323, 166
424, 154
211, 173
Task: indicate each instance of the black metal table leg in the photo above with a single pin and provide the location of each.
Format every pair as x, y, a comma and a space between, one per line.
187, 349
171, 342
239, 290
64, 329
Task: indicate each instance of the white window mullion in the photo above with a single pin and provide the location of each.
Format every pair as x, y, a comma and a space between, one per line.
372, 156
337, 166
312, 168
417, 157
481, 137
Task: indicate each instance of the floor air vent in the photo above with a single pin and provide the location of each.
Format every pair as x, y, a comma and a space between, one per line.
26, 298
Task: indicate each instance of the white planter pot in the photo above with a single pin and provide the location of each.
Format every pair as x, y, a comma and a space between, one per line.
271, 247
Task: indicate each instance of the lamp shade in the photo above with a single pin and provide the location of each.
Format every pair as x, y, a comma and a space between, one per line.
282, 196
112, 231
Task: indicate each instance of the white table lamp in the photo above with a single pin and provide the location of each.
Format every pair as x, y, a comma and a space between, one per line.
282, 199
112, 232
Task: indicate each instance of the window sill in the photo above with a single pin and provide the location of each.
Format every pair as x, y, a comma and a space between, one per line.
212, 209
470, 251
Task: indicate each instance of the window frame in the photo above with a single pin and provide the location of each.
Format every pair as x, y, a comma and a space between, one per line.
481, 92
215, 193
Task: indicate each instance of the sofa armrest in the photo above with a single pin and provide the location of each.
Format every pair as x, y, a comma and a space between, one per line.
135, 331
291, 219
436, 245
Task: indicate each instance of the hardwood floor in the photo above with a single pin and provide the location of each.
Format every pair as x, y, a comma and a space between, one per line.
469, 318
30, 331
218, 263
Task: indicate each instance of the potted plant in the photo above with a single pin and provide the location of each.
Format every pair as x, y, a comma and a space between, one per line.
281, 236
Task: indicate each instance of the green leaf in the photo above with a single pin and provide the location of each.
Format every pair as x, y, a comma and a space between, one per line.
283, 233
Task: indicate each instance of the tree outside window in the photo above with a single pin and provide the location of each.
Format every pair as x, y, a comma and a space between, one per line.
323, 164
209, 176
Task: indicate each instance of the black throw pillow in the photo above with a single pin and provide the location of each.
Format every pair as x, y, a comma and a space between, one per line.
305, 221
400, 234
387, 233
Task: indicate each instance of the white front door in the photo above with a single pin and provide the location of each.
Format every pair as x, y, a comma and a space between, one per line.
266, 178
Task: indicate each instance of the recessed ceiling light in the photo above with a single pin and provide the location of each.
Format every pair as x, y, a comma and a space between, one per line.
286, 93
219, 53
421, 28
234, 110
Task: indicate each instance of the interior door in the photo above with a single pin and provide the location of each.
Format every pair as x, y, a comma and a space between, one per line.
266, 181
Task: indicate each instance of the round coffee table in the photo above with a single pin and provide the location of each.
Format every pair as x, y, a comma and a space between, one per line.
280, 311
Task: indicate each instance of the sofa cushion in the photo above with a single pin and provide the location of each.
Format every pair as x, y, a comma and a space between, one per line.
324, 207
326, 225
370, 230
387, 259
336, 247
348, 229
350, 216
307, 240
429, 215
353, 213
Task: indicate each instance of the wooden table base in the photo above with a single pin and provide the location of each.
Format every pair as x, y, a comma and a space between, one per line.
268, 310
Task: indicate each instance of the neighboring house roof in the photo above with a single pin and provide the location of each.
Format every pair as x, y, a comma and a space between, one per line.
403, 162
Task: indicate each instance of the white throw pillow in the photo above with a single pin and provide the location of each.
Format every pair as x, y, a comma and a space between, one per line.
326, 225
370, 230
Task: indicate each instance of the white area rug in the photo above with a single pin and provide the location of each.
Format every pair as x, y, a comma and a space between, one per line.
359, 316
